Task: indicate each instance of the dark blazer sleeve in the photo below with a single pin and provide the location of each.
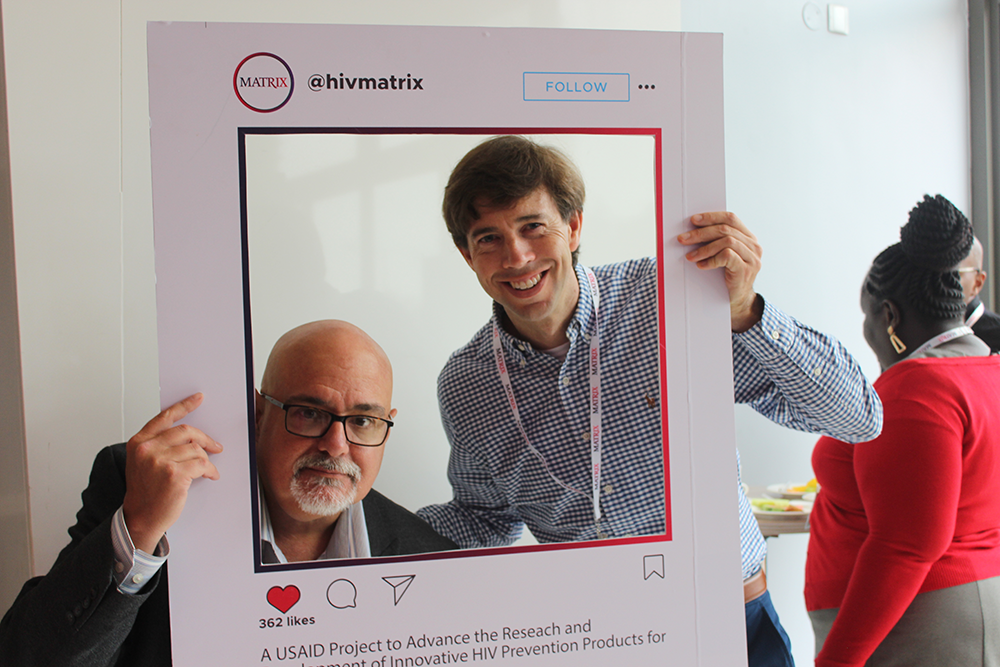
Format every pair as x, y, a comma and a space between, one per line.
75, 615
394, 530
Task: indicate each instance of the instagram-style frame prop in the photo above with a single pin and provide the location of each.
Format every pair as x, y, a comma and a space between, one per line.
297, 175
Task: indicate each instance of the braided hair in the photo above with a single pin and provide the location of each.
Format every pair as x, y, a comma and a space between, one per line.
919, 271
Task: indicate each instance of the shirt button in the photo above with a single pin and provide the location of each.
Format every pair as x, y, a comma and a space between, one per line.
138, 579
119, 567
775, 335
70, 617
586, 436
77, 611
523, 363
565, 381
602, 535
520, 347
817, 371
608, 488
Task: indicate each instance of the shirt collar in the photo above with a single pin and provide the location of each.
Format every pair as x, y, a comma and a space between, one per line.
349, 538
581, 321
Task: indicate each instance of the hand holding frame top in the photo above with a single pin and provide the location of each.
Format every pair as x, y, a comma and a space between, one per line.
727, 243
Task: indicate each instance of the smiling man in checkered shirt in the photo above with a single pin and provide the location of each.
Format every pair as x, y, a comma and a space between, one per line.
515, 212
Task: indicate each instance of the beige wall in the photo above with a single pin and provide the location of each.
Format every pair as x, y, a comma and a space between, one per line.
15, 550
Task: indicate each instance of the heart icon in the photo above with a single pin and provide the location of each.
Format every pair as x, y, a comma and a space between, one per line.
283, 599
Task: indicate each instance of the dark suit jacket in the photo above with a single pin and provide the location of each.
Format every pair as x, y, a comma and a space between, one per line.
987, 327
75, 615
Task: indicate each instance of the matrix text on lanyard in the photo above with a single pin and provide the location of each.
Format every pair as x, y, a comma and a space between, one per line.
594, 372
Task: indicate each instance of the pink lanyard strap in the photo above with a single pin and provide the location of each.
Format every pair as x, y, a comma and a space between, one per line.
596, 410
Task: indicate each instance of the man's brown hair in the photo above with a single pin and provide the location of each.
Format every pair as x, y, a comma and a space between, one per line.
502, 170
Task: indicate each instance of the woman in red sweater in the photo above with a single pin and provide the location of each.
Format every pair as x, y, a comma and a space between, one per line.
904, 552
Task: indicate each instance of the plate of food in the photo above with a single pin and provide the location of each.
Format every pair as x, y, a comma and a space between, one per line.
794, 491
780, 508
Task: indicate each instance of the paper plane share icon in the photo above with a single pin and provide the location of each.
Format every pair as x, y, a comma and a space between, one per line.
399, 586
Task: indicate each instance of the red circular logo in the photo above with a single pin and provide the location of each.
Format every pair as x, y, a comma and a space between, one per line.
263, 82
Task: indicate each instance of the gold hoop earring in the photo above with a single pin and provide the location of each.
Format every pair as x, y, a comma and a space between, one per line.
897, 344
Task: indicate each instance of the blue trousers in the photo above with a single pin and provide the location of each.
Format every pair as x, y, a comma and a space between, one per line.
767, 643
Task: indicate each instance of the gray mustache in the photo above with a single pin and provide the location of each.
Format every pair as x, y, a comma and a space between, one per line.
328, 464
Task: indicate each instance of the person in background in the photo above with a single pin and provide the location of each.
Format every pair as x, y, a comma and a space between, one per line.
903, 566
984, 322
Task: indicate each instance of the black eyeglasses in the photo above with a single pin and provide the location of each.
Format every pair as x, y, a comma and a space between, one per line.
308, 422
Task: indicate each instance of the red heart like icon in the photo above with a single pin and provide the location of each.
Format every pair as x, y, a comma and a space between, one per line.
283, 599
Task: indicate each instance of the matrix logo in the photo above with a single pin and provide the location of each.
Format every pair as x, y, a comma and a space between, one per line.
263, 82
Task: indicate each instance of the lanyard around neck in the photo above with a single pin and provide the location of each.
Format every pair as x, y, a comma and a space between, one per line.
950, 334
595, 409
976, 314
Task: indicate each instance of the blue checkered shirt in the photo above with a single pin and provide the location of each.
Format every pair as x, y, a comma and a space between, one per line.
791, 374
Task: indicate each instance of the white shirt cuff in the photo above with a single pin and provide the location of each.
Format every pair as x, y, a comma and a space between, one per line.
134, 567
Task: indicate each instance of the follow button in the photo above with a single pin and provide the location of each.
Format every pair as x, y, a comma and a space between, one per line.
576, 87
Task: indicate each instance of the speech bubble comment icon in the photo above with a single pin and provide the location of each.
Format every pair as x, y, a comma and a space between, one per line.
283, 599
342, 594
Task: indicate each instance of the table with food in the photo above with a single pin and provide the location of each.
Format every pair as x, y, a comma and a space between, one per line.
783, 508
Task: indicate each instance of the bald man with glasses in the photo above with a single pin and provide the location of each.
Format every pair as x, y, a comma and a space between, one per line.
322, 417
323, 414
